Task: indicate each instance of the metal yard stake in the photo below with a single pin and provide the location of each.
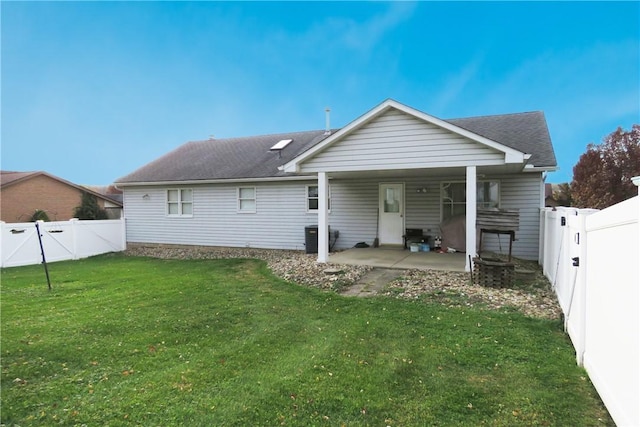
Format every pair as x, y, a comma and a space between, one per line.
44, 261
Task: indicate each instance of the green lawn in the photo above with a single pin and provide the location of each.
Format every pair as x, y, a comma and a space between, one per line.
136, 341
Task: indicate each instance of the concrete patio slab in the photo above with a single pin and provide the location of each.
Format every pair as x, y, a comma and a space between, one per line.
399, 258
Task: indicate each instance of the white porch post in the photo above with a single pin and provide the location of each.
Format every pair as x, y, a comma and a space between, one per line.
471, 216
323, 217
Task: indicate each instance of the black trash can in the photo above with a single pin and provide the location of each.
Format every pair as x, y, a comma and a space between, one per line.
311, 239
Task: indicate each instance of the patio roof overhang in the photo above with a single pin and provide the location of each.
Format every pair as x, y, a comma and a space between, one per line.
435, 173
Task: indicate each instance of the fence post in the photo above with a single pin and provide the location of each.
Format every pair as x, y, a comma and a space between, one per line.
636, 181
541, 239
123, 233
581, 284
1, 240
74, 222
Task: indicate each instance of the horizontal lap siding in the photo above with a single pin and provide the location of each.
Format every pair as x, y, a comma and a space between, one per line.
357, 222
423, 209
354, 211
278, 223
355, 208
397, 140
281, 214
520, 192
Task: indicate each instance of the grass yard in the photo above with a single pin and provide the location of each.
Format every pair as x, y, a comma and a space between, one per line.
137, 341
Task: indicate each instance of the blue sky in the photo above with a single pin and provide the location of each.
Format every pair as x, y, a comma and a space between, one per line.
93, 90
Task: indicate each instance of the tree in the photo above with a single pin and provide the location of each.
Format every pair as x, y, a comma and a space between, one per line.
89, 208
562, 194
602, 176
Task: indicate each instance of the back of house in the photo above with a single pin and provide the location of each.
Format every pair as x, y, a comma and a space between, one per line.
393, 168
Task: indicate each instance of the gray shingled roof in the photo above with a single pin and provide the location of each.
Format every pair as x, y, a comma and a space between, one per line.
525, 132
230, 158
250, 157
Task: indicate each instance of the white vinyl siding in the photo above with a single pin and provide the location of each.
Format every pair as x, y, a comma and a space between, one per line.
397, 140
282, 217
277, 224
247, 199
522, 192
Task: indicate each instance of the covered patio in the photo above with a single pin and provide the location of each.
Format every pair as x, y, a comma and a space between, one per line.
397, 257
396, 168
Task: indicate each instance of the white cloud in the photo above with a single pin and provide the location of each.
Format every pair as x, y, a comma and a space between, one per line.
323, 38
363, 36
456, 84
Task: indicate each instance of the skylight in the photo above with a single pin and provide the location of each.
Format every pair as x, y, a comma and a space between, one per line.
281, 144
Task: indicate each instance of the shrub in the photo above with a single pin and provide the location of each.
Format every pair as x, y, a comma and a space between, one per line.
39, 215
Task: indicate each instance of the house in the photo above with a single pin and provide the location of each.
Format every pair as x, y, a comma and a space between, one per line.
390, 169
23, 193
549, 200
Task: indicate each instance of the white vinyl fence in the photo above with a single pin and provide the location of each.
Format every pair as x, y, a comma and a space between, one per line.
62, 240
592, 259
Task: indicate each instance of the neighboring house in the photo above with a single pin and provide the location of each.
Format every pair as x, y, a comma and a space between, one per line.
549, 200
113, 199
390, 169
22, 193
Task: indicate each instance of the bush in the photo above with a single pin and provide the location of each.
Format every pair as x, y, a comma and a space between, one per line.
89, 208
39, 215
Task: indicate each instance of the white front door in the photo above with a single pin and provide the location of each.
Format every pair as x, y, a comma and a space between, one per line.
391, 218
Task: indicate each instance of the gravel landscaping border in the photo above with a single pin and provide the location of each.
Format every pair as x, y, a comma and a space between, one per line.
293, 266
534, 298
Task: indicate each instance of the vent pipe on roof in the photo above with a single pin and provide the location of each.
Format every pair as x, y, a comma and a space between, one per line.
327, 129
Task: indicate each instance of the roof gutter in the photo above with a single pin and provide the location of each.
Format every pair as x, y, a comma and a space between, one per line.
531, 168
216, 181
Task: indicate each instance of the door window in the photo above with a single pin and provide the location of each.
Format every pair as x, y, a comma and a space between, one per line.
392, 200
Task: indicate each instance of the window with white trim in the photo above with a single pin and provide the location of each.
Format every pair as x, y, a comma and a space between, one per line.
247, 199
312, 198
453, 197
180, 202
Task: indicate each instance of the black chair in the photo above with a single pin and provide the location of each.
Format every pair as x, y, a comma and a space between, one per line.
412, 235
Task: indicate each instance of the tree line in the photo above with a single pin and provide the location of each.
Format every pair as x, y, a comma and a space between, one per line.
602, 175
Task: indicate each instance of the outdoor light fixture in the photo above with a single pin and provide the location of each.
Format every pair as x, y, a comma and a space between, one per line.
146, 197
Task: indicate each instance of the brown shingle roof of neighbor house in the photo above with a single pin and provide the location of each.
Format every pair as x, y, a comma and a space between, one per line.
8, 178
251, 157
108, 191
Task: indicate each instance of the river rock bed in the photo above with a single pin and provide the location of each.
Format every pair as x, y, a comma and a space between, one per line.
456, 290
293, 266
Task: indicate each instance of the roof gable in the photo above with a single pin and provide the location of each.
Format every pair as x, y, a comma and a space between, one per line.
511, 155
